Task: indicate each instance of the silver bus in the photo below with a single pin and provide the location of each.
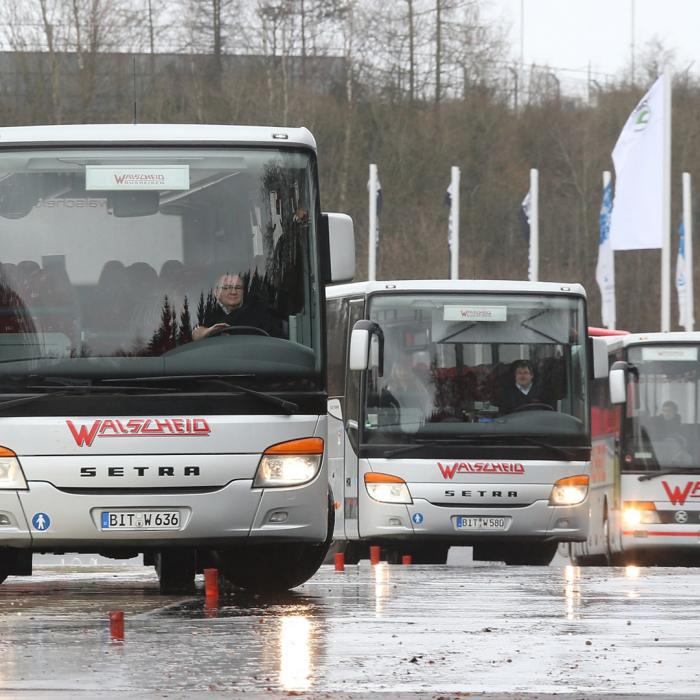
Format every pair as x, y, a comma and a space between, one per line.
162, 349
428, 445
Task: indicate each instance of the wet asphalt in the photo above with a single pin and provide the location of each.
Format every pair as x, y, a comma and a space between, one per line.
483, 630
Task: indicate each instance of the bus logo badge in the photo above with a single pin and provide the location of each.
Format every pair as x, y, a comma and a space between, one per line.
85, 435
417, 518
680, 516
41, 521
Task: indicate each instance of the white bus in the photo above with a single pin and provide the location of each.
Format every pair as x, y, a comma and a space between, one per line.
120, 434
645, 472
426, 446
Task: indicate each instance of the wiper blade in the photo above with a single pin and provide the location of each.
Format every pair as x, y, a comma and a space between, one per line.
487, 441
90, 389
288, 407
566, 454
25, 399
433, 443
664, 472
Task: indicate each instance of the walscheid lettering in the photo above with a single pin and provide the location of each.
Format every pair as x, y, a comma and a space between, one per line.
85, 435
448, 471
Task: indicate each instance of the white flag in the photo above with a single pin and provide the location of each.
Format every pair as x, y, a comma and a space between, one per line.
682, 272
526, 223
605, 269
379, 199
637, 215
450, 227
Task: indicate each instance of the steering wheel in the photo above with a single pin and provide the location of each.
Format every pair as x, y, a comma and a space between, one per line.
534, 406
234, 330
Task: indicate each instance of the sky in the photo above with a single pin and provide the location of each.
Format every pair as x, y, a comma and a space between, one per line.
570, 34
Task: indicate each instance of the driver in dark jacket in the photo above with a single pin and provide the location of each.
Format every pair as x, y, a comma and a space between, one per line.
231, 309
522, 391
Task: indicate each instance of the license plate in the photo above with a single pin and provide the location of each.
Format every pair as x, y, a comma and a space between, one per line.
140, 520
480, 522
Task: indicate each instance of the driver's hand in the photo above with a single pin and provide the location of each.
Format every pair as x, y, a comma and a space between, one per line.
215, 327
202, 332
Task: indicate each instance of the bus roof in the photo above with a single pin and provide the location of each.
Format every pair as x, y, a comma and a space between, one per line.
622, 341
146, 134
520, 286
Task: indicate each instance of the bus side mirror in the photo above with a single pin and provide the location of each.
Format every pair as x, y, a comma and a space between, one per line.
360, 342
599, 349
618, 386
341, 247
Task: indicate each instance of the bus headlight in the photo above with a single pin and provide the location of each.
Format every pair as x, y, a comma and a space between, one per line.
387, 488
639, 513
569, 491
11, 475
290, 463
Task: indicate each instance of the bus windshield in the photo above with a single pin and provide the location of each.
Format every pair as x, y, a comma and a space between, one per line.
112, 257
662, 425
491, 366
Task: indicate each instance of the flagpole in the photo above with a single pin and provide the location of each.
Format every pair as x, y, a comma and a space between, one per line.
688, 231
372, 252
534, 262
666, 210
454, 223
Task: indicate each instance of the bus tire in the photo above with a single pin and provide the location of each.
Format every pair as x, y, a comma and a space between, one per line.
430, 553
356, 550
538, 554
275, 568
176, 570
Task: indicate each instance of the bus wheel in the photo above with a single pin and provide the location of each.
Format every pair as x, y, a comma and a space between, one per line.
355, 550
271, 568
275, 568
608, 555
176, 570
539, 554
430, 553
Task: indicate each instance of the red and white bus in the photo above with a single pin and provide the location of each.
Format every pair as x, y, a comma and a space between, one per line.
645, 463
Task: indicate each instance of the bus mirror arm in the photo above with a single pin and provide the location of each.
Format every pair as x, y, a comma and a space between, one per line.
360, 343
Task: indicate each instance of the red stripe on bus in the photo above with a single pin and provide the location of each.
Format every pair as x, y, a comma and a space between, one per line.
663, 534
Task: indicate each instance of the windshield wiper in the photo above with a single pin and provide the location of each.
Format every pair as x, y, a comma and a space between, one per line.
288, 407
664, 472
70, 389
433, 443
566, 454
487, 441
8, 403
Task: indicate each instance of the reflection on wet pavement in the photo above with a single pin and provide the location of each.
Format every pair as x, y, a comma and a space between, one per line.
442, 629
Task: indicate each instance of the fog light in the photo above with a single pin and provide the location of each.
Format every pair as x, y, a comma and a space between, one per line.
395, 522
4, 520
279, 516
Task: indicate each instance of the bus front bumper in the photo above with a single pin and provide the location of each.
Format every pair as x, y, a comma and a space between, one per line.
45, 518
468, 525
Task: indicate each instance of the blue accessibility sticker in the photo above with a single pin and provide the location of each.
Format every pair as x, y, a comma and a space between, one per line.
41, 521
417, 518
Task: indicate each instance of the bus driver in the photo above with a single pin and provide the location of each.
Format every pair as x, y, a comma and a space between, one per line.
232, 309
